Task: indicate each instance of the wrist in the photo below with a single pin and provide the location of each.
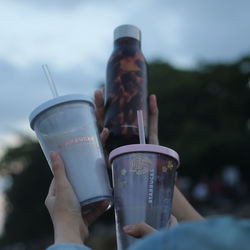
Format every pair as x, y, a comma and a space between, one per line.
68, 232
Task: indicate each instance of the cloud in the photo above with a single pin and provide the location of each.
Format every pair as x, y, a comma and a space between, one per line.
22, 90
177, 31
50, 3
215, 30
65, 37
186, 32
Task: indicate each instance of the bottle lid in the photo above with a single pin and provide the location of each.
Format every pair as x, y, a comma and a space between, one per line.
127, 30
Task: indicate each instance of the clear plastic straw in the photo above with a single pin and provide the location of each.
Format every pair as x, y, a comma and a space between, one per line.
141, 126
50, 80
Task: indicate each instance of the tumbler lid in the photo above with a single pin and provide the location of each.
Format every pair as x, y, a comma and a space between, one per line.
56, 101
148, 148
127, 30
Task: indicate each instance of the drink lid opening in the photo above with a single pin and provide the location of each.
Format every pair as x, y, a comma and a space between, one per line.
127, 30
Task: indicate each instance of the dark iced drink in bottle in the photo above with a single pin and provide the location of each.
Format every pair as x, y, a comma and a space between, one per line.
126, 88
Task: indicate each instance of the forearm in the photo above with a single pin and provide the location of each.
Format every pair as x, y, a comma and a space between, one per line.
67, 246
182, 209
68, 233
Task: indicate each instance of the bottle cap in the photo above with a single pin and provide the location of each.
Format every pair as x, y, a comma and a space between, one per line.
127, 30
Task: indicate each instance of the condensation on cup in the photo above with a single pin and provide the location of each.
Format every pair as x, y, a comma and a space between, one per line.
67, 125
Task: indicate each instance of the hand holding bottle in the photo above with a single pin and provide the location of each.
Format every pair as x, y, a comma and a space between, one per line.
153, 116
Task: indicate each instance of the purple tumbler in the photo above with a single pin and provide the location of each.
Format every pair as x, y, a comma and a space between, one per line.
143, 180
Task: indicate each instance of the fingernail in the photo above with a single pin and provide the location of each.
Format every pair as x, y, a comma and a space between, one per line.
106, 130
98, 91
53, 156
128, 228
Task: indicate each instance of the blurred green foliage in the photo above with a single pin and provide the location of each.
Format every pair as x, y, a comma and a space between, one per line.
27, 216
204, 116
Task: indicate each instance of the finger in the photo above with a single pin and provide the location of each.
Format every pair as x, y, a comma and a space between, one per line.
99, 102
60, 178
96, 212
153, 120
104, 135
139, 230
51, 192
172, 221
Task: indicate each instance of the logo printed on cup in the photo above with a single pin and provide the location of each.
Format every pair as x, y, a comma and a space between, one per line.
89, 139
140, 165
151, 185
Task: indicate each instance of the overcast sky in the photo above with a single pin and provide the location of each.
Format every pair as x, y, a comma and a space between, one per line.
75, 39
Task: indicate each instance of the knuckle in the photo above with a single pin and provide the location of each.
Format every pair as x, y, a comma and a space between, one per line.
46, 202
141, 224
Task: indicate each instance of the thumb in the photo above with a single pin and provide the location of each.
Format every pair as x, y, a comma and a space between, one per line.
172, 221
59, 171
153, 120
104, 135
139, 230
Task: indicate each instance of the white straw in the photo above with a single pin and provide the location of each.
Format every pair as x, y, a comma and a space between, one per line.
50, 80
141, 126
